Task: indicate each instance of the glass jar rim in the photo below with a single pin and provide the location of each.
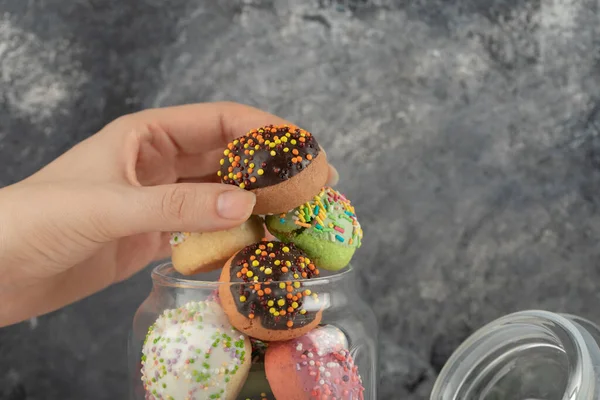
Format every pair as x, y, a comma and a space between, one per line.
532, 323
163, 274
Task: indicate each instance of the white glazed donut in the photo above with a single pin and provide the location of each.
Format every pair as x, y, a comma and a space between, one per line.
193, 353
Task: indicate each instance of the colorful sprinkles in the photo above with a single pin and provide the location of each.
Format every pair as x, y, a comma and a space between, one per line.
191, 353
328, 213
271, 291
326, 366
267, 156
178, 237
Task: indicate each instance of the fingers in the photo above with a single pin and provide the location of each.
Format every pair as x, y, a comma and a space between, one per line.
178, 207
197, 128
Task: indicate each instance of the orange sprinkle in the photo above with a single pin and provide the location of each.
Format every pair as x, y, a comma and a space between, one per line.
295, 152
264, 253
290, 309
251, 316
267, 291
237, 158
282, 312
261, 293
309, 157
272, 255
290, 296
262, 247
301, 139
290, 324
289, 289
284, 269
252, 179
244, 270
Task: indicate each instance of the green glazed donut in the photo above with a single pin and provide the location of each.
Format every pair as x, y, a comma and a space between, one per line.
326, 228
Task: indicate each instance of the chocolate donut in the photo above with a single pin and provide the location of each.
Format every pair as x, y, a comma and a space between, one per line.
283, 165
269, 299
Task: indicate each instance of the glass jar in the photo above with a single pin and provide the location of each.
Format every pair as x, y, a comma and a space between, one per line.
344, 313
528, 355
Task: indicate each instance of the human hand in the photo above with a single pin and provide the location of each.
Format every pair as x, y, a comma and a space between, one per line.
102, 211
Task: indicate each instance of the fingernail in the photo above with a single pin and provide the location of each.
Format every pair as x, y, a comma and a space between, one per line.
235, 204
334, 176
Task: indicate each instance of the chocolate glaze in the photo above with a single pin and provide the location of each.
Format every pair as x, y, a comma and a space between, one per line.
266, 282
267, 156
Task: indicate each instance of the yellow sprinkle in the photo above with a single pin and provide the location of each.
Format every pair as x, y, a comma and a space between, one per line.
285, 149
235, 142
296, 276
255, 263
226, 152
268, 271
288, 264
319, 220
230, 175
271, 145
278, 141
307, 260
246, 145
249, 274
293, 141
256, 147
272, 152
251, 152
242, 298
282, 285
307, 292
277, 262
270, 303
246, 161
269, 244
267, 141
222, 161
262, 269
257, 251
272, 310
276, 313
288, 134
286, 249
219, 173
301, 217
294, 305
281, 302
255, 279
296, 285
260, 172
284, 139
302, 312
242, 185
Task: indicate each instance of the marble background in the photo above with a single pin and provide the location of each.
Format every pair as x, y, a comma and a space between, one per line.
466, 133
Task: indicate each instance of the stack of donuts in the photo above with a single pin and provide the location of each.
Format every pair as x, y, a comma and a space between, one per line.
262, 336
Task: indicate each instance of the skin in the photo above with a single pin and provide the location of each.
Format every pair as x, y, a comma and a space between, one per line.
98, 214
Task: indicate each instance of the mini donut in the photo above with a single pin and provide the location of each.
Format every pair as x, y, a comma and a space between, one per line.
193, 352
316, 366
325, 227
271, 300
282, 165
193, 252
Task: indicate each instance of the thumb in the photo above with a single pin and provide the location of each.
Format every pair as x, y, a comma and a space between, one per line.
194, 207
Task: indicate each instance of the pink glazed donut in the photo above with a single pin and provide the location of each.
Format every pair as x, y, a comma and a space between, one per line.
315, 366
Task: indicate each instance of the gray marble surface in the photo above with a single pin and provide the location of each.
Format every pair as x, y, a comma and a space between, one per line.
466, 133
